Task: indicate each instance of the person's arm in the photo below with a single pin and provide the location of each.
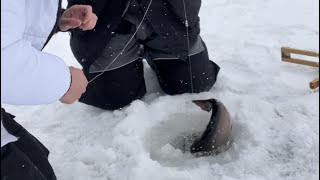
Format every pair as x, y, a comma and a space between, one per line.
77, 16
97, 5
28, 76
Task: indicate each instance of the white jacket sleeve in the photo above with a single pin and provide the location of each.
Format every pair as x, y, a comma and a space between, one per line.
28, 76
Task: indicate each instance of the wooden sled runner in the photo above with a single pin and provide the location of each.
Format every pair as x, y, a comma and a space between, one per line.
286, 53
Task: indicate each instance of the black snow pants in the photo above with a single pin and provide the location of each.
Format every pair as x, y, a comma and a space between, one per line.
26, 158
117, 88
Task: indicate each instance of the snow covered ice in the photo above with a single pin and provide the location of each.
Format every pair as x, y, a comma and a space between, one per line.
275, 114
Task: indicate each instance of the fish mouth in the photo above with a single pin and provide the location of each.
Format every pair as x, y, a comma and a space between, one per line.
217, 136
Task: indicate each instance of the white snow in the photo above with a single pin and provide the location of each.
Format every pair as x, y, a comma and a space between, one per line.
275, 114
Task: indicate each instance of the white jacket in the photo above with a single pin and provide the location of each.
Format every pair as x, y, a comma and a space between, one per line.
29, 76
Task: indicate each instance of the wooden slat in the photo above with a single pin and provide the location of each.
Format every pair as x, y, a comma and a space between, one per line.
301, 61
298, 51
315, 83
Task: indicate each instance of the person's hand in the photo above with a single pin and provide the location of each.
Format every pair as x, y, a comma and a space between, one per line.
78, 16
77, 87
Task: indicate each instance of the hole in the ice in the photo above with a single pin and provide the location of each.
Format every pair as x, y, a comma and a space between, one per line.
169, 141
